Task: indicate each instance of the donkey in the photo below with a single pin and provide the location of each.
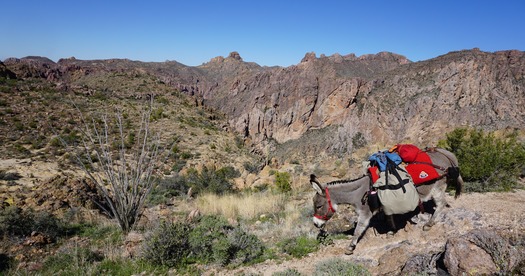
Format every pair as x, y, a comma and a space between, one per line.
331, 194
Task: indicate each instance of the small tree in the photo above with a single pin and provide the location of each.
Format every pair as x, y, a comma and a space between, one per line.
488, 162
282, 182
121, 168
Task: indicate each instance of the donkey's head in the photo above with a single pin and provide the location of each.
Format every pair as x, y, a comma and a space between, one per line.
323, 208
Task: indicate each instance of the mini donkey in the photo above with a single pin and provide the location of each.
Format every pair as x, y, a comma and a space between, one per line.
331, 194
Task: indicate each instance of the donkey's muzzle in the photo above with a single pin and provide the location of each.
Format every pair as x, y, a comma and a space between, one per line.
318, 222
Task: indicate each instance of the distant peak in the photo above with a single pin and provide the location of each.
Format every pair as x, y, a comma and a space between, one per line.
235, 55
309, 56
232, 56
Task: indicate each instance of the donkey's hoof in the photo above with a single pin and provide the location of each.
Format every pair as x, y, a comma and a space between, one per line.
390, 234
350, 250
427, 227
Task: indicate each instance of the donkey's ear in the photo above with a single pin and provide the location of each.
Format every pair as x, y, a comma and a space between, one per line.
316, 185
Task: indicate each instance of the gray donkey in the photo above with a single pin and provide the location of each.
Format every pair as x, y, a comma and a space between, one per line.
330, 195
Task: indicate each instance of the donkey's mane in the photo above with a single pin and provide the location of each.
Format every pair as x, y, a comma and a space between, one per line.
335, 182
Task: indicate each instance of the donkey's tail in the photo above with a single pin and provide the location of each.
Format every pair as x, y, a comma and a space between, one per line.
453, 172
459, 186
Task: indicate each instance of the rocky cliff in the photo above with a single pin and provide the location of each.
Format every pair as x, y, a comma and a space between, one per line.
344, 101
382, 98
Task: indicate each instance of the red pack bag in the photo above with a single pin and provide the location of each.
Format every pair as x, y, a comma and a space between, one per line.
408, 152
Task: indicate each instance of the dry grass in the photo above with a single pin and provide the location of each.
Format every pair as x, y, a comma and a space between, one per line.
248, 206
272, 216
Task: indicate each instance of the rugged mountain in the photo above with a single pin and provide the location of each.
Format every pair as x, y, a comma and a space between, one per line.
380, 98
332, 104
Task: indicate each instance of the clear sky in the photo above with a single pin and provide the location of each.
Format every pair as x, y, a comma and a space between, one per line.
269, 32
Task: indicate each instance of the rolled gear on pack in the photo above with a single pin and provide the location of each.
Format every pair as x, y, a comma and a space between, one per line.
394, 185
382, 158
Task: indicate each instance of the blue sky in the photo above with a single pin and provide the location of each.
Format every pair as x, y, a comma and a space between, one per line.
270, 32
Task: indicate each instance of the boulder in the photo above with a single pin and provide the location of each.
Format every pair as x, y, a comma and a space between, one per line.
484, 251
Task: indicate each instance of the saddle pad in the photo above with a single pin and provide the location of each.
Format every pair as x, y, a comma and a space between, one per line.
420, 171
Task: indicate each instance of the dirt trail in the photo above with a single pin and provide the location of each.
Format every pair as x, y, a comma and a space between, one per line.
470, 211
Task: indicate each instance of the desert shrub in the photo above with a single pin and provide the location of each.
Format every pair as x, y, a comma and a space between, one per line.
16, 222
123, 175
9, 176
251, 167
227, 245
210, 236
246, 248
168, 245
212, 180
282, 181
167, 188
239, 142
46, 223
358, 140
338, 267
299, 246
487, 162
157, 114
209, 240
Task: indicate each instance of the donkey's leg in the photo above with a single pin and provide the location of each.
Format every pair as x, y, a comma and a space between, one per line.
391, 224
438, 195
363, 220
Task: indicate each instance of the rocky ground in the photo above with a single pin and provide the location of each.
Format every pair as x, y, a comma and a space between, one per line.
478, 234
483, 228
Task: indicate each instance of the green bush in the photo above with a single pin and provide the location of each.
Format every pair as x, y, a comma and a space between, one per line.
210, 236
167, 188
227, 244
282, 181
247, 248
46, 223
336, 267
209, 240
168, 245
299, 246
212, 180
487, 162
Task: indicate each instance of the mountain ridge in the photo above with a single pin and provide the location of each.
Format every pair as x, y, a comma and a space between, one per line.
383, 98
